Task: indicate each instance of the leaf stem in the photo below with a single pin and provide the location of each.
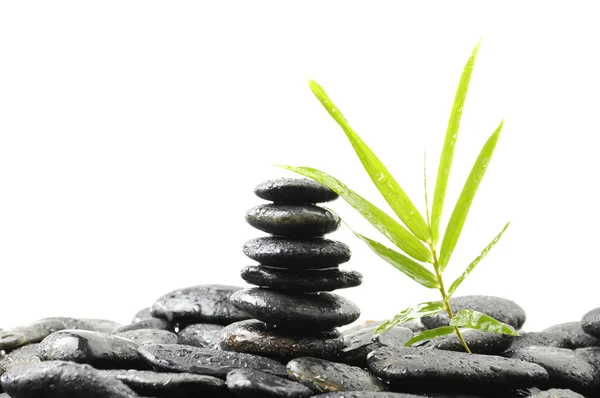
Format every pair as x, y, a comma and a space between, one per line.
445, 297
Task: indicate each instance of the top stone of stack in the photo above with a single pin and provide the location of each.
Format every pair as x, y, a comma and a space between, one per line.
294, 191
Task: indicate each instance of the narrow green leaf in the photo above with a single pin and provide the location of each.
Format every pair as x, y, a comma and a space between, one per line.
381, 177
430, 334
449, 144
410, 268
461, 210
424, 309
393, 230
476, 320
472, 266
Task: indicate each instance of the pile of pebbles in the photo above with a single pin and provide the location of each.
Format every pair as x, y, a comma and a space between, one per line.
208, 341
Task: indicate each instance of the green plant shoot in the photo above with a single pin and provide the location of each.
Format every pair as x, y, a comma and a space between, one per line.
419, 256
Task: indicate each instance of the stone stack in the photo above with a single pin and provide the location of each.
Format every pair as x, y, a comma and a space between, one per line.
294, 312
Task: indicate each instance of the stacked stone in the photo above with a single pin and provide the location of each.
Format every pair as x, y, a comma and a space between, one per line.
294, 312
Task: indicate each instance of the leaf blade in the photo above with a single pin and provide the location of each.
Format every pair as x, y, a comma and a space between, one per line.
385, 224
449, 145
477, 320
430, 334
475, 262
417, 311
408, 267
381, 177
461, 209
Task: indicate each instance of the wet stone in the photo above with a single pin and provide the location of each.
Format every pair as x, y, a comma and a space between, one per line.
58, 379
310, 311
100, 350
566, 369
154, 323
310, 280
252, 383
358, 343
294, 191
255, 337
324, 376
416, 368
97, 325
367, 394
545, 339
32, 333
149, 336
203, 335
297, 253
21, 356
142, 315
199, 304
205, 361
573, 335
167, 385
479, 342
499, 308
557, 393
293, 220
590, 322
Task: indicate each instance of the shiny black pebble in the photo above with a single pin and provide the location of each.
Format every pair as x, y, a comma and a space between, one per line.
253, 383
293, 220
294, 191
203, 335
310, 280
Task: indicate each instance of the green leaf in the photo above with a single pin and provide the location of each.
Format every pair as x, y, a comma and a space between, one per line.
393, 230
417, 311
410, 268
461, 210
472, 266
449, 144
381, 177
430, 334
476, 320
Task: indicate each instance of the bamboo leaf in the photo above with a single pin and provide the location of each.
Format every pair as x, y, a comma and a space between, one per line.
461, 210
424, 309
381, 177
408, 267
449, 144
393, 230
476, 320
430, 334
475, 262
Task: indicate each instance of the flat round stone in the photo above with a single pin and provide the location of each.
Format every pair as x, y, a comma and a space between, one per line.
324, 376
203, 335
557, 393
25, 355
479, 342
311, 280
255, 337
147, 383
205, 361
311, 311
499, 308
59, 379
154, 323
367, 394
98, 349
360, 342
293, 220
546, 339
573, 335
253, 383
297, 253
415, 368
199, 304
591, 322
149, 336
294, 191
142, 315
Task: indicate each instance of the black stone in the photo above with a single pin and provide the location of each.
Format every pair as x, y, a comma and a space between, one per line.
360, 342
142, 315
154, 323
21, 356
294, 191
546, 339
199, 304
297, 253
312, 280
427, 370
203, 335
573, 335
499, 308
255, 337
253, 383
566, 369
168, 385
293, 220
314, 311
590, 322
149, 336
557, 393
205, 361
96, 325
58, 379
324, 376
98, 349
479, 342
368, 394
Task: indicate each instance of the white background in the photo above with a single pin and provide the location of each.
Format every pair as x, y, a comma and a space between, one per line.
133, 133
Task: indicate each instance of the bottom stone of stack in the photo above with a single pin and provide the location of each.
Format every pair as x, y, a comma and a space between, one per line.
256, 337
